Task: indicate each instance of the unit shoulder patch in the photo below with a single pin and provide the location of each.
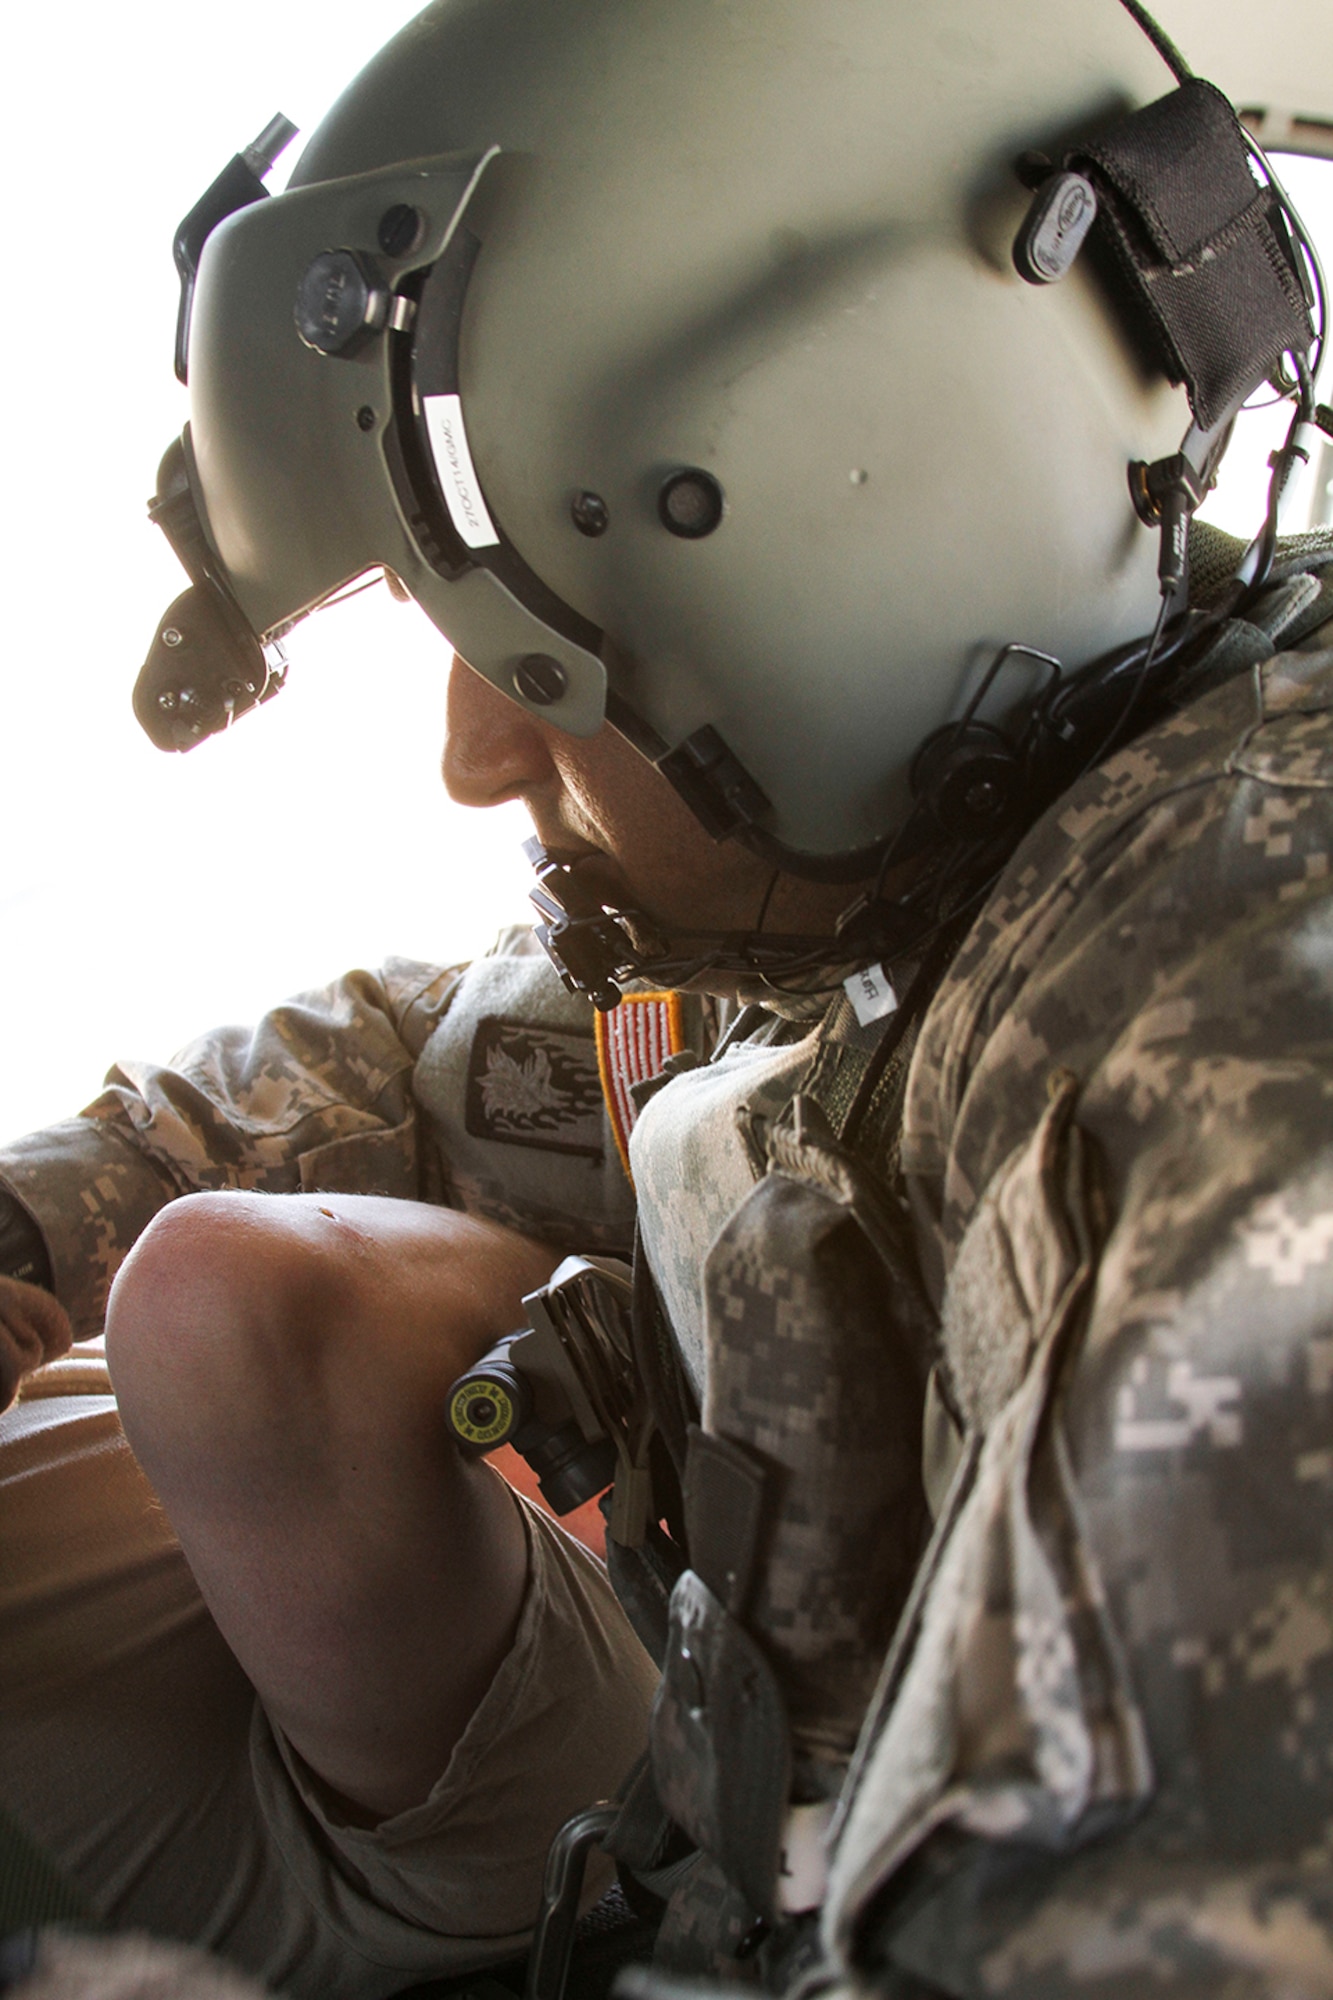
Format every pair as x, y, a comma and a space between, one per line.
530, 1085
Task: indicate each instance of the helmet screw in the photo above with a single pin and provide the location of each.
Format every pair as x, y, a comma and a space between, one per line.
338, 303
166, 702
690, 504
589, 514
365, 418
981, 798
400, 229
540, 679
170, 636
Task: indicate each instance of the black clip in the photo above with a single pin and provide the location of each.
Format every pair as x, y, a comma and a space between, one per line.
566, 1866
584, 942
1165, 496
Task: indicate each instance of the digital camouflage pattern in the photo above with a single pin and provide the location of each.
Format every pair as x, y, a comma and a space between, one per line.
1102, 1760
799, 1373
357, 1088
513, 1099
694, 1156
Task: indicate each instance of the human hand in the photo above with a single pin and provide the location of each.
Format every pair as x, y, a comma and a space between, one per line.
34, 1327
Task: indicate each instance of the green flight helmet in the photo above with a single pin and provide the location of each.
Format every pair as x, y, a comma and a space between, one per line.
673, 355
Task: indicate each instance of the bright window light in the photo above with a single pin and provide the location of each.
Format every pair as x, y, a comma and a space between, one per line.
147, 896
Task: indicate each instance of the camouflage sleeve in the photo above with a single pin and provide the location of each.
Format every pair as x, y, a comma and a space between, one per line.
317, 1096
1103, 1765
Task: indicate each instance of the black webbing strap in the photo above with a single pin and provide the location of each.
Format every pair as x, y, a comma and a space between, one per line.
661, 1370
643, 1576
1196, 245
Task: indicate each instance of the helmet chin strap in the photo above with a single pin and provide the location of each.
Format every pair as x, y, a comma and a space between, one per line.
597, 949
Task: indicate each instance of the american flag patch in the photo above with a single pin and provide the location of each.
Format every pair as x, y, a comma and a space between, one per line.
634, 1040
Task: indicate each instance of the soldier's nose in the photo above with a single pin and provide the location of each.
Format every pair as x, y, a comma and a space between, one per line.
493, 750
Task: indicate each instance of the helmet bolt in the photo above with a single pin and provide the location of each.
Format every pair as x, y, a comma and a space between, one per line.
690, 504
401, 229
589, 514
365, 418
166, 702
170, 636
540, 679
338, 303
981, 798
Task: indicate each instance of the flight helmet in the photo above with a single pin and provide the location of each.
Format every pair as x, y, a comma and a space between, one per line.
782, 381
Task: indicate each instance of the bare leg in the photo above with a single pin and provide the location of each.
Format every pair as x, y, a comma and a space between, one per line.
281, 1364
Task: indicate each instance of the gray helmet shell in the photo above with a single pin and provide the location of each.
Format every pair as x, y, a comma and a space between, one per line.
767, 239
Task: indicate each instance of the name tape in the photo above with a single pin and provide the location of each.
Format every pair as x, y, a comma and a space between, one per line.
457, 474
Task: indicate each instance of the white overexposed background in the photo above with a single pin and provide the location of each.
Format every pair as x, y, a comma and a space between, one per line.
144, 897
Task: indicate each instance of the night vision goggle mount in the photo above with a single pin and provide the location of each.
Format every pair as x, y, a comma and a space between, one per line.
206, 665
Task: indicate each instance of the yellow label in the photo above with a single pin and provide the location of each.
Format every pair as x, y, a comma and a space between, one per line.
482, 1413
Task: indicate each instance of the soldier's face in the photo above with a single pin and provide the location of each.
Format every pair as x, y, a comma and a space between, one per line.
596, 801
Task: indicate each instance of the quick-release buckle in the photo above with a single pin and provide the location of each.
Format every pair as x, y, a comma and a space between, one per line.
588, 946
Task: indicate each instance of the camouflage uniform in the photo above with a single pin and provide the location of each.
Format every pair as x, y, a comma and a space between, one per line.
1098, 1758
474, 1086
133, 1750
1103, 1757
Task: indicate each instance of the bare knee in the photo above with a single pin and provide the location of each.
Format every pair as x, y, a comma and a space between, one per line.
217, 1320
250, 1331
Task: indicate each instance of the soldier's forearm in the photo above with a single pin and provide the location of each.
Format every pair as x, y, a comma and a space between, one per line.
84, 1192
23, 1251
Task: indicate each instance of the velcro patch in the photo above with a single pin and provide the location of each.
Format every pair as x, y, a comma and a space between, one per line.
633, 1043
535, 1086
